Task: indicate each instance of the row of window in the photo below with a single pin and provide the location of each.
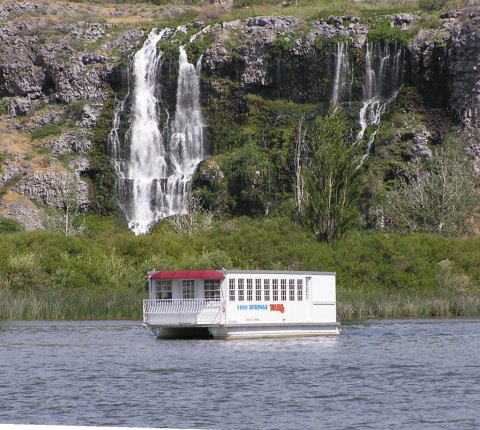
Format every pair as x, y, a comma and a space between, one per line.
241, 290
265, 290
211, 288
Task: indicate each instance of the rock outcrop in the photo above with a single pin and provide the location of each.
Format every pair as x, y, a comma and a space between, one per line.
53, 188
445, 64
35, 68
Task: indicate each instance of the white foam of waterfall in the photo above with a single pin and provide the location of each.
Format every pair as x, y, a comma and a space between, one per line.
147, 162
114, 137
343, 78
156, 177
186, 148
381, 83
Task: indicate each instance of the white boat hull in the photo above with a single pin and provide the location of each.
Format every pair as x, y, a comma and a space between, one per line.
245, 332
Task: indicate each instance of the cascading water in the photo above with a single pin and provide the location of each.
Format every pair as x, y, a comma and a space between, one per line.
186, 147
343, 78
155, 177
147, 163
383, 76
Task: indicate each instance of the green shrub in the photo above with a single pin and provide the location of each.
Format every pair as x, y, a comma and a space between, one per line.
97, 223
378, 274
46, 130
102, 173
199, 46
383, 32
432, 4
247, 173
3, 107
8, 225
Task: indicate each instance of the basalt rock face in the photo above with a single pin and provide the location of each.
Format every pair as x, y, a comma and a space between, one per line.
52, 188
445, 65
54, 73
279, 58
464, 70
276, 57
35, 68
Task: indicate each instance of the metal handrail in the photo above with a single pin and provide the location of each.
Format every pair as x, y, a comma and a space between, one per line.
182, 312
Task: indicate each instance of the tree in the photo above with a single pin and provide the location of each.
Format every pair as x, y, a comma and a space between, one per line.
196, 219
331, 178
71, 201
62, 218
247, 174
437, 197
297, 168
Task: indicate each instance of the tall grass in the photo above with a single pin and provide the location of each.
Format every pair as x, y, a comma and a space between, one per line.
70, 305
385, 304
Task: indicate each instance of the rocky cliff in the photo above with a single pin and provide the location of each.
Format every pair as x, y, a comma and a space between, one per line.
58, 80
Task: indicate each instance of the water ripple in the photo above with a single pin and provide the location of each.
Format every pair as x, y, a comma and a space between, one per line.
411, 374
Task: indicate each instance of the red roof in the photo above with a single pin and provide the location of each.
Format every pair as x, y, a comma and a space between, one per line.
188, 274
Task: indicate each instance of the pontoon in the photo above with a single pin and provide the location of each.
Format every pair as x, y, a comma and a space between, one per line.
241, 303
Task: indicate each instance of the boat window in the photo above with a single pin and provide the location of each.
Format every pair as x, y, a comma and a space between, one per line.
231, 290
300, 290
188, 288
212, 288
249, 290
291, 289
241, 291
164, 290
283, 290
275, 290
266, 290
258, 290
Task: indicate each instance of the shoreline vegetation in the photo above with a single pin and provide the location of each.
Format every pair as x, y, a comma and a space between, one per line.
85, 305
94, 276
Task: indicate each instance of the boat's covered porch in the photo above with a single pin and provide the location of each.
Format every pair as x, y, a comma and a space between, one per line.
184, 299
183, 313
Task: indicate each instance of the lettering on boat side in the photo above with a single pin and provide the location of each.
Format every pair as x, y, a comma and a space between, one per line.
277, 307
252, 307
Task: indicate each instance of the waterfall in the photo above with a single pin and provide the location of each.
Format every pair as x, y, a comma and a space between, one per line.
382, 79
147, 163
343, 78
186, 144
154, 176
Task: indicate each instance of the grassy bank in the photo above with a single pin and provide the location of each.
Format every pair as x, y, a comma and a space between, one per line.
70, 305
387, 304
111, 305
103, 275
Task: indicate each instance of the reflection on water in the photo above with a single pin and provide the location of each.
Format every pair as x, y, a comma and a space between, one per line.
377, 375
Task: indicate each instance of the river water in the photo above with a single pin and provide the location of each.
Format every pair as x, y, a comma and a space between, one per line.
379, 374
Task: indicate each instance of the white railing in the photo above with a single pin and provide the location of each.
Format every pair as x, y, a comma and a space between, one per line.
182, 313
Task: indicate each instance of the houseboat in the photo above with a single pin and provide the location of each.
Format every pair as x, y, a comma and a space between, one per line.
241, 303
